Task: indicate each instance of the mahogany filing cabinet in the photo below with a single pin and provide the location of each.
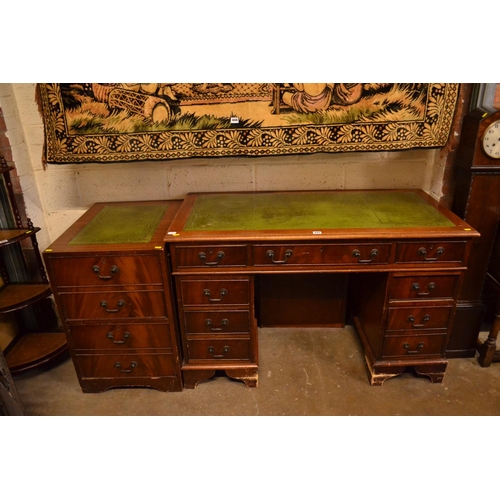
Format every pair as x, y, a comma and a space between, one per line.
109, 272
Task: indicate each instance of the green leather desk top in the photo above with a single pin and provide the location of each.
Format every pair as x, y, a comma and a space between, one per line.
313, 210
121, 224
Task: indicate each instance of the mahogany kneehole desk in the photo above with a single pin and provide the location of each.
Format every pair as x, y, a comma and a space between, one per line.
394, 259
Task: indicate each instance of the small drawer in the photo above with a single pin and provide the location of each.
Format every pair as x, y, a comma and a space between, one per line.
125, 365
114, 305
419, 318
331, 254
423, 287
364, 254
217, 350
215, 292
113, 337
431, 252
106, 270
412, 346
217, 322
290, 255
210, 256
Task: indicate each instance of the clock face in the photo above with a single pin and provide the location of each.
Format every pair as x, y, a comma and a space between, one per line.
491, 140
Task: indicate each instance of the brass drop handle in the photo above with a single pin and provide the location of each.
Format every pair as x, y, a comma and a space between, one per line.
407, 347
431, 286
126, 336
222, 294
224, 323
411, 319
119, 305
356, 253
126, 370
423, 251
203, 257
97, 270
288, 254
211, 350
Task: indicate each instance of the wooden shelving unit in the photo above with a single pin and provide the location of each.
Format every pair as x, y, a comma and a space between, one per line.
28, 349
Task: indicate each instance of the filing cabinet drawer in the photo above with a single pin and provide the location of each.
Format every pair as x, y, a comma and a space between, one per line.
210, 256
419, 318
219, 322
125, 365
218, 350
114, 305
423, 287
431, 252
413, 345
106, 270
215, 292
310, 255
124, 336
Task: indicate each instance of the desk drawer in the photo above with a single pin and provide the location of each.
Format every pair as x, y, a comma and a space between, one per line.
106, 270
217, 350
413, 346
423, 287
331, 254
215, 292
210, 256
125, 365
114, 337
114, 305
419, 318
431, 252
217, 322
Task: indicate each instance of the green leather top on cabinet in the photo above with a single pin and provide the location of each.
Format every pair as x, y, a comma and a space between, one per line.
121, 224
312, 210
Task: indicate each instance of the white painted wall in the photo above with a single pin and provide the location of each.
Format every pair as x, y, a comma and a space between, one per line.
56, 196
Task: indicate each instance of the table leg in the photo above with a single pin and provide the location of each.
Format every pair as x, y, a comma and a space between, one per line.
488, 350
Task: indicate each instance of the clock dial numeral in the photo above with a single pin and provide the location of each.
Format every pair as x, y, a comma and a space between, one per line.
491, 140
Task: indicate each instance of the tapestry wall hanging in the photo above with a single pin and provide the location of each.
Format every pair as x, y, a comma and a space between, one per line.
107, 122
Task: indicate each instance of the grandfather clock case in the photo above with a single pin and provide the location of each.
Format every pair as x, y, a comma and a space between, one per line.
477, 201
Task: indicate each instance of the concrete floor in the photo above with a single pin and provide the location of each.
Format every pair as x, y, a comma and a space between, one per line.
301, 372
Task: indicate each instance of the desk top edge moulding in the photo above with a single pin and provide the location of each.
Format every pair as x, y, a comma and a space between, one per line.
404, 255
111, 122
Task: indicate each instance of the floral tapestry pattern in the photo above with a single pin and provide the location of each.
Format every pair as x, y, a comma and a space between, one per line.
108, 122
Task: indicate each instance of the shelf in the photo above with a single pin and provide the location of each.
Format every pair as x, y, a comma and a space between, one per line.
31, 350
8, 236
15, 297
